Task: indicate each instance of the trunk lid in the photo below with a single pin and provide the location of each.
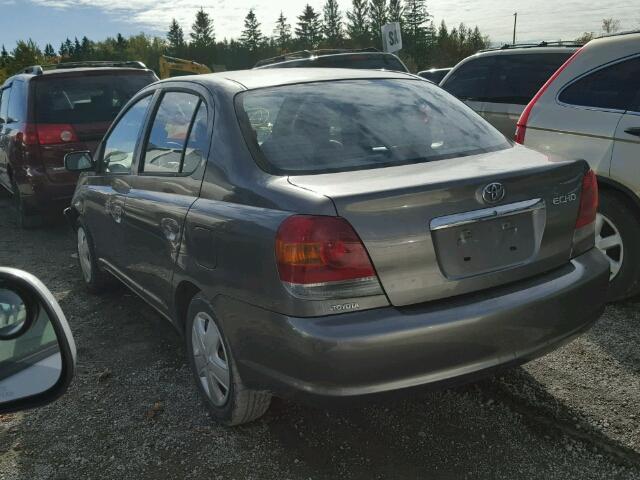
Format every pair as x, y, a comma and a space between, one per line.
431, 235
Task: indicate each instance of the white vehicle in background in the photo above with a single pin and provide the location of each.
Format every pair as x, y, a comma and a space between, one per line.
590, 109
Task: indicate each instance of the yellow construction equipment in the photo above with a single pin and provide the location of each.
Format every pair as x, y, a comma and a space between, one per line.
176, 67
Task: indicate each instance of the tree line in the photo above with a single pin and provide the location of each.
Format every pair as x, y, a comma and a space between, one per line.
424, 44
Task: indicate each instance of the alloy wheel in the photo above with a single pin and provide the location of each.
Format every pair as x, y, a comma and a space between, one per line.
609, 242
211, 360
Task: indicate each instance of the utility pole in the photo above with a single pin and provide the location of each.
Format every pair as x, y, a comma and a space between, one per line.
515, 22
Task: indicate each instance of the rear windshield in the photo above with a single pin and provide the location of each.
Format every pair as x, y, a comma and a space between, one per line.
504, 78
353, 61
86, 99
359, 124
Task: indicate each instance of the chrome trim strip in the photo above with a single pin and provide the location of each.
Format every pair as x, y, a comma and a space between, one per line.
459, 219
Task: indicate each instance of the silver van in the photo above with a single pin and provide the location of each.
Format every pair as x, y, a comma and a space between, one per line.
499, 83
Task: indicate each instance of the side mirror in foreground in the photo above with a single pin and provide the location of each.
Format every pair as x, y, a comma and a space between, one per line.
79, 161
37, 351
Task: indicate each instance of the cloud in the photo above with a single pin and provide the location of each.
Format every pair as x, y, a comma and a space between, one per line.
542, 19
155, 15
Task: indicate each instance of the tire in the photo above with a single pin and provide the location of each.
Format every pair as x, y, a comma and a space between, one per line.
95, 279
230, 404
24, 219
618, 237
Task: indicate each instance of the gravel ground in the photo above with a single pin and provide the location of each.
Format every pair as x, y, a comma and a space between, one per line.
133, 410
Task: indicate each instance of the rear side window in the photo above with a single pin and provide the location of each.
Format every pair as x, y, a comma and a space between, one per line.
505, 78
471, 80
120, 146
18, 102
517, 78
86, 99
359, 124
614, 87
198, 143
167, 139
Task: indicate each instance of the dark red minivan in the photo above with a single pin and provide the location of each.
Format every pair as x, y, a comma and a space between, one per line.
45, 114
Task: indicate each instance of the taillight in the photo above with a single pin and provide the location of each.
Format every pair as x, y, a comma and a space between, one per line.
588, 200
49, 134
521, 126
322, 257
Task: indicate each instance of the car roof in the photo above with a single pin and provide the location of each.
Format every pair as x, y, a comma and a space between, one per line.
73, 71
272, 77
525, 51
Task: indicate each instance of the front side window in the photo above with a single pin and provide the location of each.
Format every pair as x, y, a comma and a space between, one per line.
614, 87
4, 104
167, 139
18, 102
120, 146
358, 124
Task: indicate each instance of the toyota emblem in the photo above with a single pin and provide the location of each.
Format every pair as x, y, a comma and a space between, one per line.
493, 193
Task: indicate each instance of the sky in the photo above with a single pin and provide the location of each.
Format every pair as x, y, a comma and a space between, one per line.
54, 20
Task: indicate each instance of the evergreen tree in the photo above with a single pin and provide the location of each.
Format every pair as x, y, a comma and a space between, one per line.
358, 23
395, 11
121, 45
77, 49
332, 25
378, 14
202, 35
87, 48
4, 57
25, 54
252, 37
49, 52
175, 37
416, 25
202, 38
68, 46
282, 33
309, 28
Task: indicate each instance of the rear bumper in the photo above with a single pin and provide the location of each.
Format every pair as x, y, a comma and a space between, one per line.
392, 348
41, 196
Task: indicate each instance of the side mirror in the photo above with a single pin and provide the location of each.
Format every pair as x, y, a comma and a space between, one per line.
37, 351
79, 161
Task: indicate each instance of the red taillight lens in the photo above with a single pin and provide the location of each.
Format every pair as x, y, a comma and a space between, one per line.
521, 126
314, 252
50, 134
588, 200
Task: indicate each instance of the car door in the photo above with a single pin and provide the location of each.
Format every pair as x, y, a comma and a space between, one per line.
4, 137
625, 162
107, 190
169, 176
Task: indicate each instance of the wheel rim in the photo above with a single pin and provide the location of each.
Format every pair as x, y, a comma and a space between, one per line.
211, 360
609, 242
84, 254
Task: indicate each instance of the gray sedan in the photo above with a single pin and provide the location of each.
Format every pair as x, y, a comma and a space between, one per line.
335, 233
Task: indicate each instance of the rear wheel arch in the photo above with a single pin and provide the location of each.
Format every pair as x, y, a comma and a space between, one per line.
185, 292
611, 186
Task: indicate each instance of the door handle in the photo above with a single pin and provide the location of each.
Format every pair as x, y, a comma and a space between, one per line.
635, 131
